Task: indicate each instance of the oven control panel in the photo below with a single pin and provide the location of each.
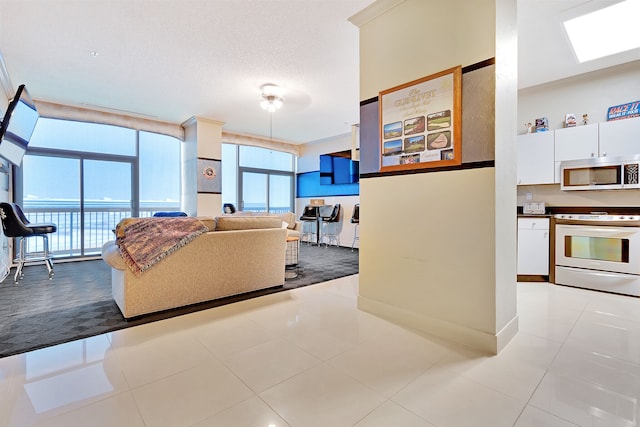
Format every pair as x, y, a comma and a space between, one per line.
602, 217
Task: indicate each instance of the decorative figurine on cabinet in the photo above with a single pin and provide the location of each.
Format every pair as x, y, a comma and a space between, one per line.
529, 127
585, 119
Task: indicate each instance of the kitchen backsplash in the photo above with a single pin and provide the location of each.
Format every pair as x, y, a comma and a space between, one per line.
553, 196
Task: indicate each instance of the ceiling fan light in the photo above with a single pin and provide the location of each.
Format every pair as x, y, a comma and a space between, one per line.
271, 103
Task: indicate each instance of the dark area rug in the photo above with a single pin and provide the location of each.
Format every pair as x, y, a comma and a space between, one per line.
77, 303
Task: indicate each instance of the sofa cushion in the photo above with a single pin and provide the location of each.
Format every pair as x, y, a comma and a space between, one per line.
289, 218
228, 223
208, 221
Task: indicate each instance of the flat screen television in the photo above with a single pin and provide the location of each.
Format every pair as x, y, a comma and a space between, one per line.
338, 170
17, 126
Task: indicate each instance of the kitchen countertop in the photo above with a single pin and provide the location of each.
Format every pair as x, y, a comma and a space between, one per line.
553, 210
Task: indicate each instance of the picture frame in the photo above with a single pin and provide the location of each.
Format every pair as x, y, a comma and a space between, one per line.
421, 123
209, 176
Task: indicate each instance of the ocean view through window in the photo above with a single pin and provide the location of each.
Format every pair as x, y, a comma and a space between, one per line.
86, 177
258, 179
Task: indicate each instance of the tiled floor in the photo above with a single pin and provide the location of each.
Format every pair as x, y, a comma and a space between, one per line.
308, 357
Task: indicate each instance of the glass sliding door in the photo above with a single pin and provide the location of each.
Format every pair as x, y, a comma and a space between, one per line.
105, 201
280, 191
51, 193
269, 192
85, 198
254, 196
86, 177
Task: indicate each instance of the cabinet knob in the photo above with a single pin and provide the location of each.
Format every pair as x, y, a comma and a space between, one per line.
604, 154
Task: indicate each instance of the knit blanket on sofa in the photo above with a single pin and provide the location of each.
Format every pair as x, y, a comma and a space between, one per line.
143, 242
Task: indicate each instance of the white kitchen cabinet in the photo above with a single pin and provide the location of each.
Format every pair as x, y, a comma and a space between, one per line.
619, 137
578, 142
535, 158
533, 246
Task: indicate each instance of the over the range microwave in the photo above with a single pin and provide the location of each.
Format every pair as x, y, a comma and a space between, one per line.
600, 173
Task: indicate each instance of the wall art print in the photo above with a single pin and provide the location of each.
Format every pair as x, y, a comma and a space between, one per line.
420, 123
209, 176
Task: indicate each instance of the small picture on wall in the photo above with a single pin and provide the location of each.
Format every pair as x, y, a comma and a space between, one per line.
392, 147
413, 144
209, 176
410, 159
413, 126
392, 130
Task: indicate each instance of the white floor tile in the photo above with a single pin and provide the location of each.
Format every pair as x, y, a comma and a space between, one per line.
609, 334
157, 358
190, 396
116, 411
321, 397
447, 399
228, 336
270, 363
252, 412
391, 414
534, 417
396, 362
582, 360
585, 403
308, 357
515, 372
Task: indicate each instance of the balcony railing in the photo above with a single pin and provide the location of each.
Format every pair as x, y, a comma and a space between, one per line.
70, 240
99, 222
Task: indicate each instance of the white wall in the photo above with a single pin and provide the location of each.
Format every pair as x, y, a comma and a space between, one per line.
592, 93
309, 161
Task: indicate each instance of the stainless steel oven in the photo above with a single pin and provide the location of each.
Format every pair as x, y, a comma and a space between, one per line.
598, 251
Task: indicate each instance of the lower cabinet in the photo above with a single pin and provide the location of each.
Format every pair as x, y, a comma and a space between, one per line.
533, 246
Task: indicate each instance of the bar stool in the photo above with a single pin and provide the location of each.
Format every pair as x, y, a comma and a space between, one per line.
330, 226
15, 224
355, 219
309, 220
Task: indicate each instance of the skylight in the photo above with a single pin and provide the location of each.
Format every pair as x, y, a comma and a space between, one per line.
605, 32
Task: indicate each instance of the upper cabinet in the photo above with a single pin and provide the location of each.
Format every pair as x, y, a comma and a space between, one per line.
620, 137
580, 142
540, 152
535, 158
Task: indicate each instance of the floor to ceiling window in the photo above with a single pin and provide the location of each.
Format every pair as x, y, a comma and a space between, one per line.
258, 179
86, 177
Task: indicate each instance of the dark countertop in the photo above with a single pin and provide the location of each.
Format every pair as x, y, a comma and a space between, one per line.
550, 211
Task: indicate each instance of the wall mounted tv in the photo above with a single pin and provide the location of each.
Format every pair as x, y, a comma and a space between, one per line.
338, 168
17, 126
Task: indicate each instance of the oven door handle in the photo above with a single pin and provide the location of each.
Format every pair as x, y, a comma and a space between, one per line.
586, 231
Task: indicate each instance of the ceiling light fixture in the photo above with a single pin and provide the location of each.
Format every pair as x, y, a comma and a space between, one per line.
271, 97
588, 33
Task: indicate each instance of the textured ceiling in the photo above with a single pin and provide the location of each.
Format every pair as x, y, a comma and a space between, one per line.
171, 60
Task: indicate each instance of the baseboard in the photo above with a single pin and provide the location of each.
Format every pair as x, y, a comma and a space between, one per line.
478, 340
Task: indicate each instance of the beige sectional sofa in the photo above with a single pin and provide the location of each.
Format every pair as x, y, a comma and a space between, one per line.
242, 254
